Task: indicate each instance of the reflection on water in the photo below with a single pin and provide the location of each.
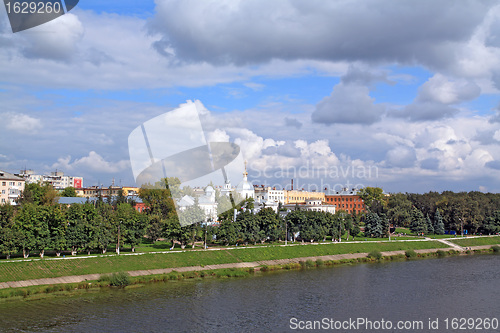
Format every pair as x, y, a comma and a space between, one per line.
415, 290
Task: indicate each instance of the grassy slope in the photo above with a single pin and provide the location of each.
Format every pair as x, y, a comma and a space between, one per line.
476, 241
26, 270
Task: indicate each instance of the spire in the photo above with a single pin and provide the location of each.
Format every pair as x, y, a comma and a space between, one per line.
245, 174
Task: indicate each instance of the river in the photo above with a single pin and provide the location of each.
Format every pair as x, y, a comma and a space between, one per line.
405, 293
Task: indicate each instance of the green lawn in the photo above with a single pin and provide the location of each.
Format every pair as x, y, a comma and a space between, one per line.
25, 270
476, 241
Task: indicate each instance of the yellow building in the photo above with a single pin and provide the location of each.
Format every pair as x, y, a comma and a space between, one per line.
130, 191
113, 191
295, 196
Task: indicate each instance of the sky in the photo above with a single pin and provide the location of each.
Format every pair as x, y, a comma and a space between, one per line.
400, 95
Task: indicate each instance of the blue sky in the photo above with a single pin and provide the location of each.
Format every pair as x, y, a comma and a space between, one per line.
410, 90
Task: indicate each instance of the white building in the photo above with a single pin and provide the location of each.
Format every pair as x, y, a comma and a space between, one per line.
206, 202
57, 179
227, 189
11, 187
315, 205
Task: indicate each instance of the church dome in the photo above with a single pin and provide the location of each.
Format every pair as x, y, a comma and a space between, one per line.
245, 188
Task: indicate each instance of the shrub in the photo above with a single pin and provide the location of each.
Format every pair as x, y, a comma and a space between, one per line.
310, 263
120, 279
375, 255
410, 254
319, 262
441, 254
496, 248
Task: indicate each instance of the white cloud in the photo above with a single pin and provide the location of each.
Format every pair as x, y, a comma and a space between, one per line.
55, 40
447, 91
348, 104
93, 162
260, 31
496, 136
22, 123
401, 156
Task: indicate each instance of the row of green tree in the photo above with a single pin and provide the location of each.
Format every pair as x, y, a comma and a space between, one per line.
433, 212
40, 224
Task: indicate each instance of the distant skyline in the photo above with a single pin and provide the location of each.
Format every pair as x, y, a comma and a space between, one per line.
400, 95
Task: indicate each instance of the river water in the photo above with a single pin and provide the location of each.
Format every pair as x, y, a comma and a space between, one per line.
407, 293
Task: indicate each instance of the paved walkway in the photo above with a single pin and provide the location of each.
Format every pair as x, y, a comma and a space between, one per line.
257, 264
451, 244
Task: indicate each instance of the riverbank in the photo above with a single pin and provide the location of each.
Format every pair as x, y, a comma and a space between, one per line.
41, 269
74, 285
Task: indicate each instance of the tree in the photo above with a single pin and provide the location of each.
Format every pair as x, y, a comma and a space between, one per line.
159, 201
248, 228
491, 224
78, 219
430, 227
57, 228
227, 232
271, 224
155, 227
68, 192
38, 194
374, 226
370, 195
399, 210
418, 223
295, 219
133, 224
102, 233
438, 223
25, 225
8, 235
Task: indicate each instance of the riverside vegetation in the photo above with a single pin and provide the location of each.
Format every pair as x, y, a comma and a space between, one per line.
40, 225
123, 280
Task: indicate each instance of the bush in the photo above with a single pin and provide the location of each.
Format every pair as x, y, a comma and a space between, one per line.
310, 263
496, 248
375, 255
319, 262
441, 254
120, 279
302, 264
410, 254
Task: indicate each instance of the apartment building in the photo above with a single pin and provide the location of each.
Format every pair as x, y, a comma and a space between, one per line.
57, 179
11, 187
269, 194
